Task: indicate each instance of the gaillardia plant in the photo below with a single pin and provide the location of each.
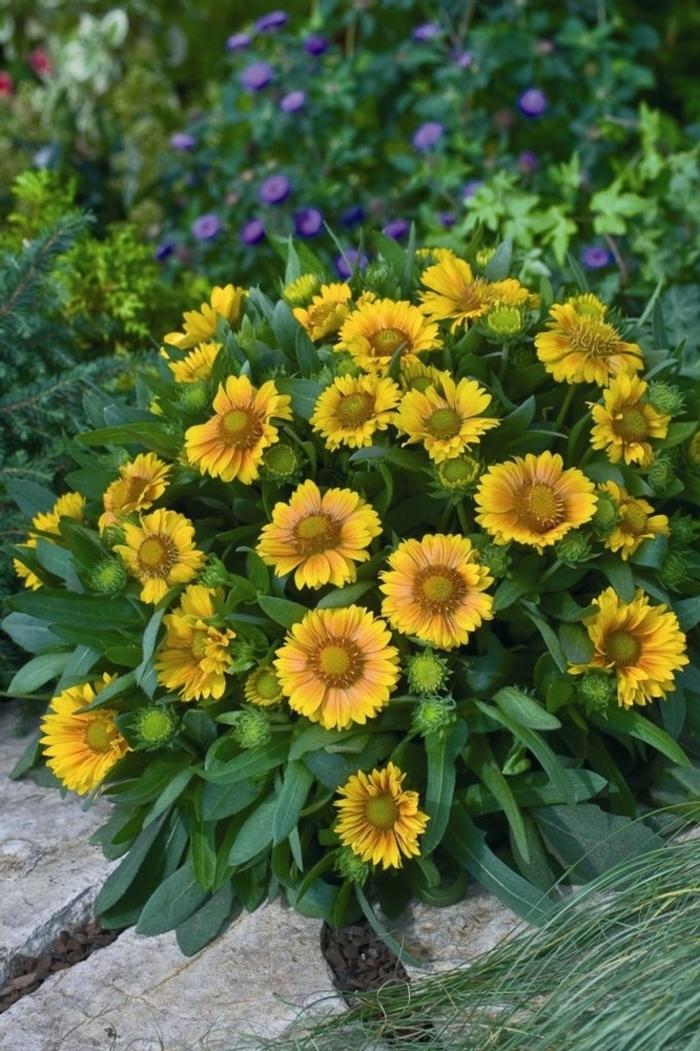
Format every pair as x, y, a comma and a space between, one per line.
379, 587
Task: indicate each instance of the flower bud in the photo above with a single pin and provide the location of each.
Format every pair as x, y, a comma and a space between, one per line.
503, 322
694, 449
281, 462
661, 474
458, 475
495, 558
380, 278
666, 398
351, 867
484, 257
214, 574
155, 725
426, 672
299, 292
109, 576
194, 396
597, 690
113, 535
674, 569
252, 729
521, 357
262, 687
607, 515
573, 548
433, 714
684, 530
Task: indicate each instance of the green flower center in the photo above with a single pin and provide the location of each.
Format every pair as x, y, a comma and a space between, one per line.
543, 507
155, 725
316, 533
356, 409
267, 685
240, 428
634, 519
281, 459
427, 673
444, 423
157, 554
335, 661
463, 470
439, 589
504, 320
387, 341
99, 737
632, 425
622, 648
199, 644
382, 811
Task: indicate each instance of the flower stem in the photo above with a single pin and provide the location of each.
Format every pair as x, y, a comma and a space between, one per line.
565, 406
503, 364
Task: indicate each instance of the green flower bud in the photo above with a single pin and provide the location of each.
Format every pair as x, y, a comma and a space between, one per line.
113, 535
496, 559
684, 530
252, 729
661, 474
433, 714
108, 577
597, 690
194, 396
281, 462
674, 569
522, 357
517, 761
573, 548
350, 866
607, 515
299, 292
214, 574
379, 277
155, 725
503, 322
458, 475
694, 449
666, 398
484, 256
426, 672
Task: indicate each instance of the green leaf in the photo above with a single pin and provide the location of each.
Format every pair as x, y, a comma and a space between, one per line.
250, 763
295, 788
281, 610
398, 949
314, 737
203, 851
29, 633
575, 643
175, 900
498, 266
688, 612
255, 833
172, 791
441, 751
536, 789
30, 498
619, 575
394, 454
480, 758
524, 709
154, 436
37, 672
345, 596
550, 639
630, 723
588, 841
119, 881
224, 800
510, 590
199, 929
651, 552
80, 611
304, 394
510, 428
28, 758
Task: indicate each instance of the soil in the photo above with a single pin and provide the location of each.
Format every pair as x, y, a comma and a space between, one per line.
70, 947
359, 959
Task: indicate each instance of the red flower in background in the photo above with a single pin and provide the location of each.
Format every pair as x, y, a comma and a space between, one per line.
7, 84
40, 62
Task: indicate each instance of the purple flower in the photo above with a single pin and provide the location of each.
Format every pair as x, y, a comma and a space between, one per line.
528, 162
315, 45
532, 103
427, 135
447, 219
237, 42
293, 101
349, 261
307, 222
396, 229
163, 250
594, 257
271, 21
182, 141
470, 188
206, 227
252, 232
352, 215
426, 31
462, 59
256, 76
275, 189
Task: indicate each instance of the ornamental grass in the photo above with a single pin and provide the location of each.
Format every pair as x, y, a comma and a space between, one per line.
380, 588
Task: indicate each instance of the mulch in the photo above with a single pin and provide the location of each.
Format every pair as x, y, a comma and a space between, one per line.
70, 947
359, 959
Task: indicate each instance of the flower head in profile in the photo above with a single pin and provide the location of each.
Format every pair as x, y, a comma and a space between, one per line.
70, 505
376, 330
160, 553
636, 521
338, 667
626, 422
262, 687
141, 482
455, 293
81, 747
200, 325
353, 408
194, 655
196, 365
534, 500
379, 819
580, 346
447, 418
231, 444
641, 644
435, 588
319, 535
327, 311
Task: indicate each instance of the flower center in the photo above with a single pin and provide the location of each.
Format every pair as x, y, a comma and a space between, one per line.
135, 488
622, 648
268, 686
155, 726
99, 737
593, 337
156, 555
462, 470
444, 423
199, 644
542, 507
634, 519
281, 458
631, 425
438, 588
382, 811
240, 428
316, 533
470, 296
355, 409
339, 662
387, 341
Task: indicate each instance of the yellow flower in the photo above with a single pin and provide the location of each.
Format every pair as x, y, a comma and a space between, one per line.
300, 291
160, 553
435, 590
637, 521
375, 331
197, 365
194, 655
337, 666
641, 644
70, 505
446, 418
581, 347
319, 536
625, 422
327, 312
141, 482
200, 325
379, 819
533, 500
262, 687
454, 292
352, 408
414, 375
81, 748
231, 444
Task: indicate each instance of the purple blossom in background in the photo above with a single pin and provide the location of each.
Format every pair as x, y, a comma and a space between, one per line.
252, 232
447, 219
462, 59
206, 227
315, 45
271, 21
307, 222
532, 103
396, 229
426, 31
275, 189
256, 76
293, 101
163, 250
470, 188
352, 215
427, 135
594, 257
528, 162
182, 141
237, 42
349, 261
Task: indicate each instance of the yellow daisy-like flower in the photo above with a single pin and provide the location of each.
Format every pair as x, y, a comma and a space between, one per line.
194, 655
379, 819
446, 418
337, 666
81, 747
637, 521
160, 553
455, 293
231, 444
327, 311
262, 687
70, 505
641, 644
197, 365
580, 346
414, 375
200, 325
624, 424
533, 500
141, 482
435, 590
375, 331
352, 408
321, 536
